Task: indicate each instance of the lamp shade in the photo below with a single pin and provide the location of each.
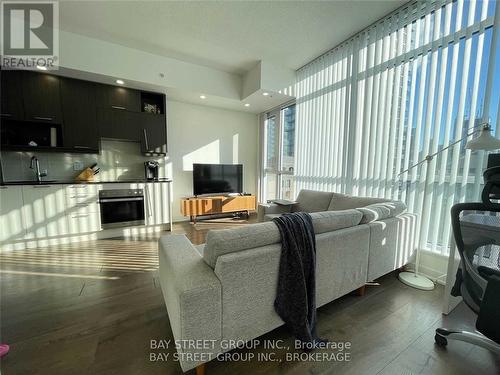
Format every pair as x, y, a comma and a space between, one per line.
485, 141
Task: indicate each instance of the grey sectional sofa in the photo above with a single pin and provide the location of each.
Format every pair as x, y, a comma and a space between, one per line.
225, 289
317, 201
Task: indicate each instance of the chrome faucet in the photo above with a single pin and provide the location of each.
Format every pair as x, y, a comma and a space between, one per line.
36, 166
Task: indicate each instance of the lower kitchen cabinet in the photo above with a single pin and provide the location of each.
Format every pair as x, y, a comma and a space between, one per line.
80, 223
82, 208
12, 224
157, 203
35, 212
44, 211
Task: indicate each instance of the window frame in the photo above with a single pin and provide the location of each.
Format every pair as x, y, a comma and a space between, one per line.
277, 168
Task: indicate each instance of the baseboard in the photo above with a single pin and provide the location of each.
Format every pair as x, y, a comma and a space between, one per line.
432, 265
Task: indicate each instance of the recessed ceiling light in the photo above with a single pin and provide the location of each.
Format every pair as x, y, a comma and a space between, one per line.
265, 93
40, 67
203, 97
247, 104
120, 82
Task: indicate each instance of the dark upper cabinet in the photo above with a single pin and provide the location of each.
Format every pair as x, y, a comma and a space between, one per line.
42, 97
119, 124
154, 133
79, 108
119, 98
11, 95
65, 114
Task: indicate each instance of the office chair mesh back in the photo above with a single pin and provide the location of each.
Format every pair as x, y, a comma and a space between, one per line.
476, 229
478, 248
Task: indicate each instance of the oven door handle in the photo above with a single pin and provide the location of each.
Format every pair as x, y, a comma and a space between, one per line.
111, 200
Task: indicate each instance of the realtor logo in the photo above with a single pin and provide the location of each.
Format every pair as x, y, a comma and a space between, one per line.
30, 34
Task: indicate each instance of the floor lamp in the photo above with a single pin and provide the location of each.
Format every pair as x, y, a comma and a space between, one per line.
485, 141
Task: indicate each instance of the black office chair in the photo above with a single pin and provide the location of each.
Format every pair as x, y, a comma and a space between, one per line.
475, 227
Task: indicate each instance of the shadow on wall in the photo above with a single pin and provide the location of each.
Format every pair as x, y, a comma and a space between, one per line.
213, 153
225, 150
208, 154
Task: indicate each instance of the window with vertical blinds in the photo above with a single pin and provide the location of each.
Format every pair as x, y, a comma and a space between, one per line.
406, 87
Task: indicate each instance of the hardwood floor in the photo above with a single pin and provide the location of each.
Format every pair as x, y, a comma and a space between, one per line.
92, 308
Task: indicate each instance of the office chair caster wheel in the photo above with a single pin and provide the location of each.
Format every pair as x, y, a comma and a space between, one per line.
440, 340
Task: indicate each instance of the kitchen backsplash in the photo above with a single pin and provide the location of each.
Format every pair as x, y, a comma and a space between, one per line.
118, 160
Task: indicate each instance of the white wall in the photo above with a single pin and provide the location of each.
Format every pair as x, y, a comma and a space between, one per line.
92, 55
201, 134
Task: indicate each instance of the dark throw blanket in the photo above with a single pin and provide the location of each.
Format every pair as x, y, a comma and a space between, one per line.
295, 301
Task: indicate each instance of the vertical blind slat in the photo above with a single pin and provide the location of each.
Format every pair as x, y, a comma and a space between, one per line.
405, 87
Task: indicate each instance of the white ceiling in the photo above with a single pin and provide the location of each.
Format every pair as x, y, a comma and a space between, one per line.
231, 36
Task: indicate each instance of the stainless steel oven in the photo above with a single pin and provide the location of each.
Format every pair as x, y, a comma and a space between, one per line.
121, 207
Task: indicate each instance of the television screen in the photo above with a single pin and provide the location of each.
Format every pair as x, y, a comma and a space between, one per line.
217, 178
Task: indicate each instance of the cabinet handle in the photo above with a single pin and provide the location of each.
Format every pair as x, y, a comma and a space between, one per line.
6, 115
150, 206
112, 200
118, 107
43, 118
77, 216
76, 146
41, 186
146, 139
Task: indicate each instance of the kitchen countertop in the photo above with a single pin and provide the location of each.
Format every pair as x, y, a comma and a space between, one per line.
60, 182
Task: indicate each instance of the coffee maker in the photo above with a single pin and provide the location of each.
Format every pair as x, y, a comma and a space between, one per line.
151, 168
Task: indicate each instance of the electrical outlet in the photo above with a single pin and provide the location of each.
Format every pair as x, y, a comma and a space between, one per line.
77, 166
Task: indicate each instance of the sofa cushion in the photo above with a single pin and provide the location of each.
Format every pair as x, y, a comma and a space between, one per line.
344, 202
224, 241
200, 248
328, 221
381, 211
312, 201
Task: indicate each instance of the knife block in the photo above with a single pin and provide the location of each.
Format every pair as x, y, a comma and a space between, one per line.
86, 175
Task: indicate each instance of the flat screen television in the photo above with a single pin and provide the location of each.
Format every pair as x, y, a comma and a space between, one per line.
217, 178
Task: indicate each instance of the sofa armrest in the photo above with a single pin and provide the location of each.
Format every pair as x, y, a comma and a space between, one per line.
272, 208
193, 297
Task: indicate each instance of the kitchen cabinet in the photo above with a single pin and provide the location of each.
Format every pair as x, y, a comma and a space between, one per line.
120, 98
157, 201
154, 133
82, 208
69, 115
119, 124
32, 213
12, 225
81, 131
41, 97
44, 211
81, 198
11, 95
